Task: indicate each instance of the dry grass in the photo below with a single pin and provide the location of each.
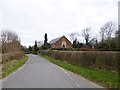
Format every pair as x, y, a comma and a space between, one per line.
12, 65
11, 56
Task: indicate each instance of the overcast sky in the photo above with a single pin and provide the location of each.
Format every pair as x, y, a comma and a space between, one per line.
31, 19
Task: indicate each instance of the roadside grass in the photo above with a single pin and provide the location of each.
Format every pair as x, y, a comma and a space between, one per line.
104, 78
12, 66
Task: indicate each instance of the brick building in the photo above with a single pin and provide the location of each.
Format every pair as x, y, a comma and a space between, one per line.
61, 42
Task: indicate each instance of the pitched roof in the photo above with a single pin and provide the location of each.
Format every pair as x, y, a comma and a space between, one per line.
54, 40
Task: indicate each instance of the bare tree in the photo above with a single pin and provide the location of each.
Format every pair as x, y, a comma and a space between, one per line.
109, 27
86, 34
9, 36
73, 36
102, 33
10, 41
107, 30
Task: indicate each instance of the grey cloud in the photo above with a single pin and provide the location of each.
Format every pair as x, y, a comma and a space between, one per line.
32, 18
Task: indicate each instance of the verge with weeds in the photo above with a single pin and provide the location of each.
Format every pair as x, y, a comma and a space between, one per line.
104, 78
12, 65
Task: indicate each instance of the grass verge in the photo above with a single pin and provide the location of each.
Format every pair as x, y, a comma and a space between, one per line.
105, 79
12, 66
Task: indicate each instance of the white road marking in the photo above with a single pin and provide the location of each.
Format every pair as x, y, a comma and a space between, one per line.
68, 74
65, 72
62, 69
71, 73
20, 68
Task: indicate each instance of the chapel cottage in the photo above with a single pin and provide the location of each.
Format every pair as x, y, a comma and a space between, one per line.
61, 42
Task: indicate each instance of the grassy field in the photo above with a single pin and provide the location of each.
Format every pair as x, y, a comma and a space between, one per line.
12, 66
103, 78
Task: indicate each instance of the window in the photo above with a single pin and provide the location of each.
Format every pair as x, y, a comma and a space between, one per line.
63, 44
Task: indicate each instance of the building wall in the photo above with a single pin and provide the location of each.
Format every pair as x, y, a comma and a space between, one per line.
58, 44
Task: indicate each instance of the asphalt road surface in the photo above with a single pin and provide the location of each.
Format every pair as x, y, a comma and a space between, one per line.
40, 73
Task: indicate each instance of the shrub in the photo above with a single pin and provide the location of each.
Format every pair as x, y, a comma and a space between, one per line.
11, 56
105, 60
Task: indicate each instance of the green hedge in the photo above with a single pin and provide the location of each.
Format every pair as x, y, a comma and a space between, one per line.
104, 60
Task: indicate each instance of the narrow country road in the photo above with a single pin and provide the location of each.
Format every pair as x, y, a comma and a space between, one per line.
40, 73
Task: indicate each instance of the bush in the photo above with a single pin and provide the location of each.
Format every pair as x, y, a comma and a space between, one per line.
11, 56
105, 60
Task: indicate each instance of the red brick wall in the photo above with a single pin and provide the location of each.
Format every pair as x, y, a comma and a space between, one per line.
59, 43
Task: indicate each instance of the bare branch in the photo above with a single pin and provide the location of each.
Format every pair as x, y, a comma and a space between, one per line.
86, 34
73, 36
10, 41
